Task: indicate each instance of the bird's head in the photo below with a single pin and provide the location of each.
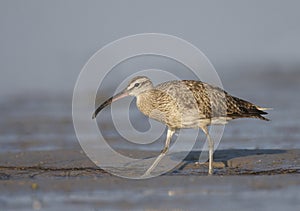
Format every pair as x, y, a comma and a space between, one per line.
136, 86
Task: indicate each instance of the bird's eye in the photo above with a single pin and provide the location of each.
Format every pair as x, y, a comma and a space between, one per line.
136, 84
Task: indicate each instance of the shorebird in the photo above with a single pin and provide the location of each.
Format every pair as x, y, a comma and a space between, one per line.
185, 104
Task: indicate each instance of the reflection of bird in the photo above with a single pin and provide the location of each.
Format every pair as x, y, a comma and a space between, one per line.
185, 104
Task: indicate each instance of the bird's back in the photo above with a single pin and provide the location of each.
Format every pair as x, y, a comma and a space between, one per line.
215, 102
185, 103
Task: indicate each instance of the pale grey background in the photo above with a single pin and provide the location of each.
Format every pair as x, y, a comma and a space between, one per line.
44, 44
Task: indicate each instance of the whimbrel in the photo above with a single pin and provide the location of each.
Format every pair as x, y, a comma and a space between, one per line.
185, 104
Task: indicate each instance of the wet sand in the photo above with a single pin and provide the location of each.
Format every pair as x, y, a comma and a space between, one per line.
276, 192
71, 163
67, 179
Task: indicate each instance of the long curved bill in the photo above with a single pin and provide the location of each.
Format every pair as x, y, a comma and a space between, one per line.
109, 101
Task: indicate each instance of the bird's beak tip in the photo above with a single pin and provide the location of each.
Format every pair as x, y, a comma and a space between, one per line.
109, 101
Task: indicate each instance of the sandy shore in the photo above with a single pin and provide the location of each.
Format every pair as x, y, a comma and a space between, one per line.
244, 179
60, 163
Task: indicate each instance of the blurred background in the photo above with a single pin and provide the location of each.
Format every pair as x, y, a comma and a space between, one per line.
44, 44
254, 46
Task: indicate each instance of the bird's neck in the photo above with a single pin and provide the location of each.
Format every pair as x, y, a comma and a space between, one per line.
144, 101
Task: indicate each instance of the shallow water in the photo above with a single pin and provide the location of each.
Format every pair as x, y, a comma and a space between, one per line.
210, 193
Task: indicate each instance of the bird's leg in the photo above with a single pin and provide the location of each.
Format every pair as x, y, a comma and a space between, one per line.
162, 153
210, 151
211, 155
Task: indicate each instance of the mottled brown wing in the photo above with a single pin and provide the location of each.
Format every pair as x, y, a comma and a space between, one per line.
239, 108
215, 102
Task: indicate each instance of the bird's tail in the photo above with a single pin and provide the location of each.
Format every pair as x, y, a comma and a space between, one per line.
263, 109
262, 112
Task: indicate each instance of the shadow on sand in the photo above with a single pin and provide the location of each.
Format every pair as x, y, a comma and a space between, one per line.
225, 155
